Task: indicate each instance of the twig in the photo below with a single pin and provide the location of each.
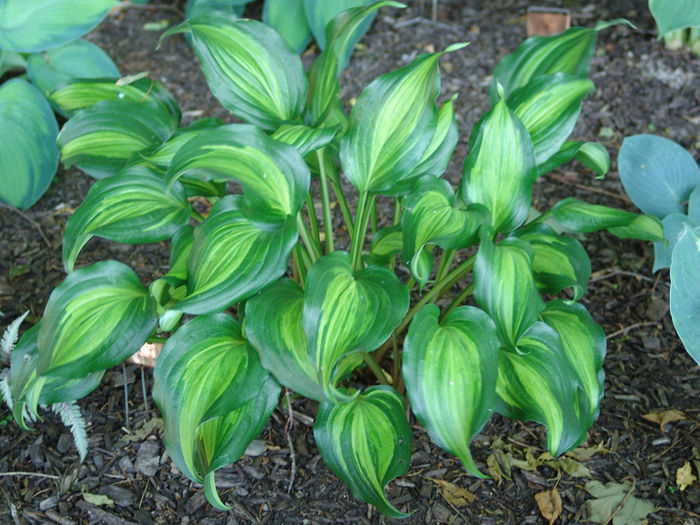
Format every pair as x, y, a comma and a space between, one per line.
28, 219
151, 7
11, 506
559, 178
631, 327
622, 503
126, 399
288, 426
616, 271
33, 474
145, 394
57, 518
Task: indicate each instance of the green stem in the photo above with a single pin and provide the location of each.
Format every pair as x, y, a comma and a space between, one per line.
459, 300
198, 216
325, 200
313, 219
156, 339
375, 368
358, 239
445, 262
301, 263
373, 217
313, 250
344, 208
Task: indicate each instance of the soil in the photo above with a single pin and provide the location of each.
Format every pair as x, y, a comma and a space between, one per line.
640, 86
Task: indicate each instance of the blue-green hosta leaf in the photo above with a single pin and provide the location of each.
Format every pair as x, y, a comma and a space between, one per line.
273, 175
79, 94
10, 60
384, 246
558, 262
674, 226
584, 345
536, 382
549, 107
577, 216
78, 59
392, 125
430, 217
694, 204
450, 368
28, 154
135, 207
657, 174
213, 394
505, 286
97, 317
305, 139
367, 443
500, 169
248, 67
232, 257
685, 291
100, 139
437, 156
198, 7
31, 27
591, 154
674, 15
288, 18
347, 312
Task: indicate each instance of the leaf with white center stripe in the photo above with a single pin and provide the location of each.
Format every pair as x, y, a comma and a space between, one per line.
500, 169
591, 154
392, 125
384, 246
135, 207
450, 368
95, 319
305, 139
248, 67
213, 394
367, 443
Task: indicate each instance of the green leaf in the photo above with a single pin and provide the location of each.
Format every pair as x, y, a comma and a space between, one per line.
248, 68
10, 60
31, 27
233, 257
273, 175
450, 368
439, 152
500, 169
198, 7
367, 443
675, 15
77, 59
305, 139
505, 286
97, 317
537, 382
591, 154
28, 154
100, 139
213, 394
392, 125
685, 290
347, 312
430, 217
674, 226
615, 500
135, 207
558, 262
288, 18
657, 174
384, 246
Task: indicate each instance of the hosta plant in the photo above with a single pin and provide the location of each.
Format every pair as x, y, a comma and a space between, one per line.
263, 293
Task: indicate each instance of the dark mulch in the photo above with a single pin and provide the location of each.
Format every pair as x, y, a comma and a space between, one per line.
640, 86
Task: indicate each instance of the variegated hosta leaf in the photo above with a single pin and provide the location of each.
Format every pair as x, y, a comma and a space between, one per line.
577, 216
31, 27
506, 287
100, 139
367, 443
549, 107
500, 169
558, 262
248, 67
213, 394
347, 312
288, 18
233, 257
536, 382
430, 217
320, 13
584, 345
305, 139
685, 290
392, 125
135, 207
591, 154
450, 368
82, 93
273, 175
385, 244
95, 319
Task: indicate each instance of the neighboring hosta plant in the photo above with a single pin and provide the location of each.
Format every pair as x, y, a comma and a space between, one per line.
678, 22
663, 180
41, 37
320, 310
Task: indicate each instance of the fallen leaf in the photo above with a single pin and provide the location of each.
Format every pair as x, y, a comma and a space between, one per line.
140, 434
607, 499
97, 499
494, 469
457, 496
584, 454
574, 468
549, 503
664, 416
529, 463
685, 476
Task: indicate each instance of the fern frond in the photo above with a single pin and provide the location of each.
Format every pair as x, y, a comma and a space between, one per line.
5, 391
9, 338
73, 419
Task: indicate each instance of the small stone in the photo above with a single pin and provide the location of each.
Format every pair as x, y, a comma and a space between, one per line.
657, 309
143, 517
148, 458
121, 496
48, 503
651, 343
256, 448
195, 503
126, 465
98, 460
441, 513
65, 441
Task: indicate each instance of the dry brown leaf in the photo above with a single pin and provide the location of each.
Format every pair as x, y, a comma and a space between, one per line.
664, 416
685, 476
549, 503
494, 469
457, 496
